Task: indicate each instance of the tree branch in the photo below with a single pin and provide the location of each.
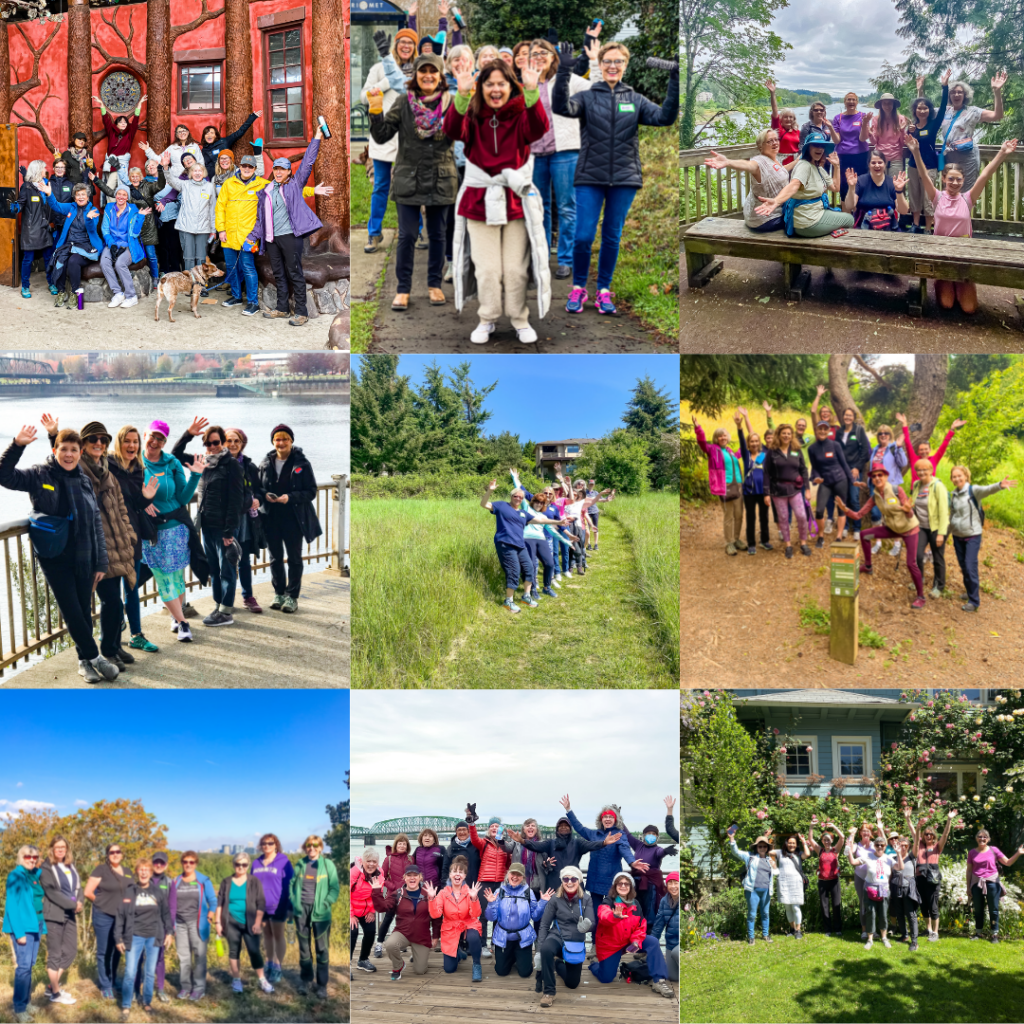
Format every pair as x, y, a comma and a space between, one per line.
20, 88
204, 16
128, 60
37, 110
874, 373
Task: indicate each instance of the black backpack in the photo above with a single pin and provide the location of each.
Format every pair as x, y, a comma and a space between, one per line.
973, 500
635, 972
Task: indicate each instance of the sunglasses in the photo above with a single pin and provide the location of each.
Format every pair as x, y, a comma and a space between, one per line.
189, 862
116, 853
569, 879
31, 856
268, 844
93, 438
212, 444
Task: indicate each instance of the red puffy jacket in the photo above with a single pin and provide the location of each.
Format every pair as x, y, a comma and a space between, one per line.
494, 861
615, 933
361, 892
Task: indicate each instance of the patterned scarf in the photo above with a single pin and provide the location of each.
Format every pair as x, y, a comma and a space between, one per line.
428, 113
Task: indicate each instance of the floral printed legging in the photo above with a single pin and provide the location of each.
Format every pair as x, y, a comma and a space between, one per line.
799, 506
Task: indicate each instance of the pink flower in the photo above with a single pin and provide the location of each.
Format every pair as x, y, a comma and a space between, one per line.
894, 746
949, 725
782, 750
776, 731
808, 749
761, 815
933, 750
707, 693
984, 771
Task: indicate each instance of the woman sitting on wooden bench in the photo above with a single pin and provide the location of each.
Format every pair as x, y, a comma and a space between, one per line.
766, 171
876, 199
953, 214
804, 201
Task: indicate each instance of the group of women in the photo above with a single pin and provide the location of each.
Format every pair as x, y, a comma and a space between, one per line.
104, 521
894, 876
481, 148
883, 165
140, 911
167, 214
839, 472
554, 529
535, 895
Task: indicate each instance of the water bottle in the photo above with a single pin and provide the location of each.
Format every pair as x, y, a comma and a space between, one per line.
323, 126
220, 946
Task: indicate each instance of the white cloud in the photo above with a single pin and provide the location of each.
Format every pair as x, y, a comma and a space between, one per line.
81, 803
10, 809
19, 785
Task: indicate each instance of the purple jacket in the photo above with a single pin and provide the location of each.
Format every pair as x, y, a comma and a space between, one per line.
429, 859
651, 855
304, 220
275, 879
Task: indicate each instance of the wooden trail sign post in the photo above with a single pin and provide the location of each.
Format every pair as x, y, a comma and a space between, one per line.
844, 586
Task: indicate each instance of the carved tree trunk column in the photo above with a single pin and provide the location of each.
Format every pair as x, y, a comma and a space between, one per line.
329, 82
159, 64
238, 101
5, 76
79, 70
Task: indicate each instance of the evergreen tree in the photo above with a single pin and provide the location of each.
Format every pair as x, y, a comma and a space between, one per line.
385, 432
501, 452
651, 411
449, 440
337, 838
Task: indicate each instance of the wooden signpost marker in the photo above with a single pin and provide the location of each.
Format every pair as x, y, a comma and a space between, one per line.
844, 585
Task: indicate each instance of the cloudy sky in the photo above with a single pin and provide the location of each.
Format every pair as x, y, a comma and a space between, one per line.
514, 753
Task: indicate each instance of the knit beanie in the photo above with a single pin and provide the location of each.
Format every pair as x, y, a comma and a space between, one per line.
282, 428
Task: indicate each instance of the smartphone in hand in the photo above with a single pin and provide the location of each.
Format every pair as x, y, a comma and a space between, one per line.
732, 830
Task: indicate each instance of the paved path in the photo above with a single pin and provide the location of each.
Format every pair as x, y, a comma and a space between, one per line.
426, 328
309, 649
37, 324
844, 309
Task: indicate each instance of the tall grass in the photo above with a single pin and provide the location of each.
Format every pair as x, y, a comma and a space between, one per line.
434, 485
651, 523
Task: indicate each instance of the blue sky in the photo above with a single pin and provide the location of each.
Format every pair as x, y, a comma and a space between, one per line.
551, 397
214, 766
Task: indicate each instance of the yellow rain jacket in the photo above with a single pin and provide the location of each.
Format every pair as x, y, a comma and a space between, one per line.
236, 207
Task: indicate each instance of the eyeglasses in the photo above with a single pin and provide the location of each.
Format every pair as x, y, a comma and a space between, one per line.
613, 63
157, 439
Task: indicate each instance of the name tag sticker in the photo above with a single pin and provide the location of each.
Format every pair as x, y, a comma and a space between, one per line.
829, 455
627, 108
35, 199
47, 487
250, 192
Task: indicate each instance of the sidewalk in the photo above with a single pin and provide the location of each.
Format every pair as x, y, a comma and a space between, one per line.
307, 650
37, 324
426, 328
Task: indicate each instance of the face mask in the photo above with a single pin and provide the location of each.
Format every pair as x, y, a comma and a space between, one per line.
650, 840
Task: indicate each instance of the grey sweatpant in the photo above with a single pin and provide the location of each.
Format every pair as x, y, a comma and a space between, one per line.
831, 220
189, 944
118, 275
193, 248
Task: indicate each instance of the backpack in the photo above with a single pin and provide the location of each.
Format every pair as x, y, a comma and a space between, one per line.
635, 972
973, 500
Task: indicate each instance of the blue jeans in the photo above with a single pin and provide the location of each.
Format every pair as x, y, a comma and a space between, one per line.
151, 948
649, 905
27, 258
107, 955
473, 942
379, 198
556, 171
154, 267
991, 895
589, 200
25, 960
223, 577
967, 549
758, 902
246, 270
132, 606
607, 969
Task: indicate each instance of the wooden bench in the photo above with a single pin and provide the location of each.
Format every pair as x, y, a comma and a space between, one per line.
981, 260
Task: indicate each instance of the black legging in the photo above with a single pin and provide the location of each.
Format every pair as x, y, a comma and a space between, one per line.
825, 492
751, 502
831, 905
236, 934
906, 915
382, 928
551, 963
71, 272
111, 615
369, 926
74, 598
512, 954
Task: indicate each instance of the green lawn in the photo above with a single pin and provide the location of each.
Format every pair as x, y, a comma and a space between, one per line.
833, 980
362, 187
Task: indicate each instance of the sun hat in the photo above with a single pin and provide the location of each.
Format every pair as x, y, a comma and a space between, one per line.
815, 137
887, 96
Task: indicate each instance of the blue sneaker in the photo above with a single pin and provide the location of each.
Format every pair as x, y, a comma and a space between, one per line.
603, 302
549, 592
478, 973
512, 606
529, 601
53, 289
577, 300
25, 293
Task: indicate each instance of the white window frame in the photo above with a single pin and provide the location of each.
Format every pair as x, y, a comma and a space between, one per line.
958, 769
837, 741
803, 741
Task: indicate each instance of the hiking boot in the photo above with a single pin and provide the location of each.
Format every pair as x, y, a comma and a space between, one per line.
298, 320
275, 605
253, 605
61, 300
750, 942
968, 607
276, 314
548, 999
372, 243
663, 988
576, 301
289, 605
88, 673
478, 972
730, 549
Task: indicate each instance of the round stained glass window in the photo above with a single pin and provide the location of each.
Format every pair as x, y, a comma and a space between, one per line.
120, 92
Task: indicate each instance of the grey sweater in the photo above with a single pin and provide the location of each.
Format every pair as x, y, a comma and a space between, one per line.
964, 520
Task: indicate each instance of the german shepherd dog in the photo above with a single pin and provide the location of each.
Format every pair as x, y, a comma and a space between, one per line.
194, 281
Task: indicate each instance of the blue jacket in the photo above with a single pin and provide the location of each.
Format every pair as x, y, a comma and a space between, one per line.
176, 487
207, 902
750, 876
69, 210
605, 862
753, 468
514, 912
135, 220
667, 921
20, 916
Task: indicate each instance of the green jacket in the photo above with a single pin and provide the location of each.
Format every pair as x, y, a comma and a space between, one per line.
326, 888
938, 505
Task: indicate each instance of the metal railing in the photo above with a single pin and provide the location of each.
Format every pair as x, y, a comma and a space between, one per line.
712, 193
31, 620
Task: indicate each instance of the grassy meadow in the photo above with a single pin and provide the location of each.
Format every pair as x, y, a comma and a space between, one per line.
429, 591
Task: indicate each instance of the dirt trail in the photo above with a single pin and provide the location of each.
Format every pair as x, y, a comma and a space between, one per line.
744, 628
593, 635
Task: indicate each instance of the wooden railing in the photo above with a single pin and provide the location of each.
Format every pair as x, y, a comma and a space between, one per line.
705, 192
31, 621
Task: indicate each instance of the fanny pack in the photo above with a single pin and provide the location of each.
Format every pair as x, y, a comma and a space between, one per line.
49, 534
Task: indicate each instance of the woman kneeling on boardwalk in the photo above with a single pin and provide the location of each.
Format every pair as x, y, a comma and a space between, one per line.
953, 207
409, 904
567, 918
804, 201
513, 908
458, 906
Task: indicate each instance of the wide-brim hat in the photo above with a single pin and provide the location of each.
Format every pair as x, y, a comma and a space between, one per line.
762, 839
878, 467
887, 96
817, 138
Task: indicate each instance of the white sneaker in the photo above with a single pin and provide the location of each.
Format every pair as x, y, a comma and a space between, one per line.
527, 335
828, 526
116, 300
856, 535
896, 549
928, 557
449, 272
266, 986
556, 583
64, 998
482, 334
876, 547
133, 301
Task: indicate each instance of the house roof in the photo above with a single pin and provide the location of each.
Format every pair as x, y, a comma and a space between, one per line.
839, 698
572, 440
824, 706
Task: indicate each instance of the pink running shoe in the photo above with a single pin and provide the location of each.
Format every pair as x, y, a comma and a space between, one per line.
603, 302
577, 300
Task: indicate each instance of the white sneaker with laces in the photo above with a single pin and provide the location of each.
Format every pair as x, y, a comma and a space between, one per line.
828, 526
928, 558
133, 301
896, 549
482, 334
116, 300
527, 335
266, 986
876, 547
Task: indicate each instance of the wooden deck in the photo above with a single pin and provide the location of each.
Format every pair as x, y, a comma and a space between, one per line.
439, 998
